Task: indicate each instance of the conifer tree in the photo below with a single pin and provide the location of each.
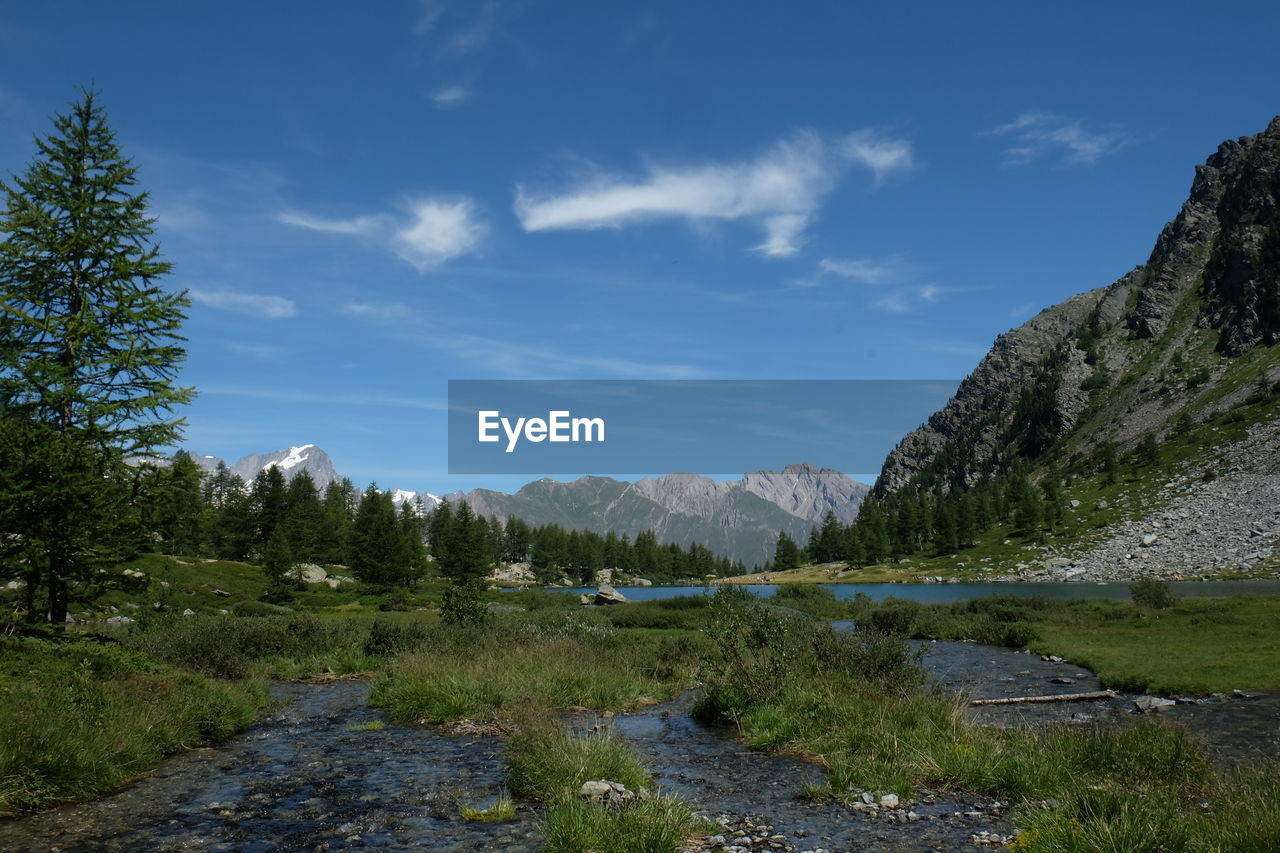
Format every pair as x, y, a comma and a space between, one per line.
786, 554
89, 350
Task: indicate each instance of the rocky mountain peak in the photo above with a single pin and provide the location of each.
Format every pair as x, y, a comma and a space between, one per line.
1215, 268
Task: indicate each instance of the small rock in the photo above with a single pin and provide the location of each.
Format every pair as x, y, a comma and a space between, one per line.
596, 790
889, 801
1148, 704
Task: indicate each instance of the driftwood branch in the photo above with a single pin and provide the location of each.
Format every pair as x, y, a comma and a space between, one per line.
1058, 697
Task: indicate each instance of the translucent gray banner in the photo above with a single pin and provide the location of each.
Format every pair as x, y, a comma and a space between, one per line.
695, 426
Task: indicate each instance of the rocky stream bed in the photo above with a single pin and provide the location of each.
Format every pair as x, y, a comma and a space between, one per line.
307, 779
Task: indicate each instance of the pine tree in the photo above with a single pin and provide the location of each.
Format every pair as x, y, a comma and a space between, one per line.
89, 348
377, 554
337, 512
278, 563
303, 518
786, 554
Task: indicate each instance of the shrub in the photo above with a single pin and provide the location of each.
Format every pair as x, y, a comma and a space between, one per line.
463, 605
1152, 593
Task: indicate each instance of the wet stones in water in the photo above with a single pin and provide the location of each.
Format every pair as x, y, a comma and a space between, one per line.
604, 791
1149, 704
749, 834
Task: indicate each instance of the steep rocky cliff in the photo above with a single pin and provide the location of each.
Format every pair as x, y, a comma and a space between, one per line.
1191, 332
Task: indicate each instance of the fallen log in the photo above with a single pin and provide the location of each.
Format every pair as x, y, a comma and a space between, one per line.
1057, 697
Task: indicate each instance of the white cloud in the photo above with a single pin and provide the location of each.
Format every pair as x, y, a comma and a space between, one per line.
253, 304
429, 12
435, 230
515, 359
780, 191
1035, 135
883, 155
451, 95
865, 271
360, 225
897, 285
438, 232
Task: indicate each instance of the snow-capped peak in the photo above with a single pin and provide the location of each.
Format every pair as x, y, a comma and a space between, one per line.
296, 456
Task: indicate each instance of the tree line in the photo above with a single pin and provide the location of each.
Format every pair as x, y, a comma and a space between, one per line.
914, 521
283, 524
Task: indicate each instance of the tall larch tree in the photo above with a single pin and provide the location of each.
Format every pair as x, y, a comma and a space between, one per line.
90, 347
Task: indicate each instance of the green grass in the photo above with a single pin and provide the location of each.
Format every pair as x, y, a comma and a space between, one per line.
503, 810
1197, 646
1194, 647
80, 718
1133, 786
546, 763
370, 726
655, 825
518, 664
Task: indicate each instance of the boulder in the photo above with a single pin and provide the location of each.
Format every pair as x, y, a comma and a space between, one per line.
642, 582
606, 594
586, 599
311, 573
595, 790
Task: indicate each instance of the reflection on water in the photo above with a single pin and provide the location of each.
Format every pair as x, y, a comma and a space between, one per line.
948, 592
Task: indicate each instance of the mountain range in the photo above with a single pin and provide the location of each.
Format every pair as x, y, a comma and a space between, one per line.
739, 519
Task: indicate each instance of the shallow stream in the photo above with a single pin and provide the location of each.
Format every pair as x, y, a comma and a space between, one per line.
305, 779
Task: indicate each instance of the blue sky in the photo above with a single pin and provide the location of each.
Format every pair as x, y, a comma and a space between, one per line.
367, 200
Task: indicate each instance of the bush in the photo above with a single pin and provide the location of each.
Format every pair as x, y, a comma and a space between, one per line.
810, 598
1151, 593
463, 605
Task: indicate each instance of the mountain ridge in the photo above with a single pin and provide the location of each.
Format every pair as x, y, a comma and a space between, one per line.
1115, 363
738, 519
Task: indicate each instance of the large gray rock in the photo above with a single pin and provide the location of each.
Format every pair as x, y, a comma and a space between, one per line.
606, 594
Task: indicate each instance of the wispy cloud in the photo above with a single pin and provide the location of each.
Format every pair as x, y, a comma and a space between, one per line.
451, 95
253, 304
360, 225
429, 14
515, 359
508, 357
865, 271
474, 33
780, 191
882, 154
895, 285
457, 31
433, 230
1036, 135
294, 395
260, 351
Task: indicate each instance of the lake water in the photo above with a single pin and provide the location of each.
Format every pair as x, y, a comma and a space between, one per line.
943, 593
